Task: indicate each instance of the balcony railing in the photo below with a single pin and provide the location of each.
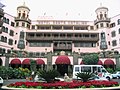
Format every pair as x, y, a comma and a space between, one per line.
51, 38
1, 12
22, 19
105, 20
62, 48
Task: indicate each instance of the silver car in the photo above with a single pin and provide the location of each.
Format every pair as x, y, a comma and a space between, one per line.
98, 78
1, 82
116, 75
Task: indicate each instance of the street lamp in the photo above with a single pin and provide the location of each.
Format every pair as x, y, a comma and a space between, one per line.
79, 51
45, 50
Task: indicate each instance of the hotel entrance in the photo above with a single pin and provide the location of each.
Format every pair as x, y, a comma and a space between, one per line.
62, 69
62, 64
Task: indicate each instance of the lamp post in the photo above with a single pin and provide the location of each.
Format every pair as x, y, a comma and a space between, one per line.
79, 52
45, 51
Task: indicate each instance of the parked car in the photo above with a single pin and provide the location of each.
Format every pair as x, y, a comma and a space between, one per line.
96, 77
39, 79
116, 75
1, 82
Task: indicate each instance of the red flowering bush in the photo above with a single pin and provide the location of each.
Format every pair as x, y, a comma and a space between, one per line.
62, 84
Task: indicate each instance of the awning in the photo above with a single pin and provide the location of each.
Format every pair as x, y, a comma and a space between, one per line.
40, 61
100, 62
63, 59
15, 61
109, 62
26, 61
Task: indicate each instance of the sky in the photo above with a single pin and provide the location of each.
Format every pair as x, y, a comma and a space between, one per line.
68, 9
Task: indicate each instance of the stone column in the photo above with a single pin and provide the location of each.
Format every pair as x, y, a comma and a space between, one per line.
49, 61
75, 58
117, 62
7, 61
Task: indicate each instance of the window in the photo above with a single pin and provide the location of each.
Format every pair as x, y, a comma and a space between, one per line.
19, 14
5, 39
108, 42
105, 15
2, 38
22, 34
17, 24
91, 27
4, 19
114, 43
7, 21
12, 24
23, 24
2, 50
97, 26
3, 28
10, 42
107, 24
85, 69
15, 41
33, 26
11, 33
119, 31
6, 30
113, 33
112, 25
103, 35
77, 69
28, 26
101, 16
118, 21
101, 24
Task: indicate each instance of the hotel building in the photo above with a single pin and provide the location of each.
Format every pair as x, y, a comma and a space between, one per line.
57, 43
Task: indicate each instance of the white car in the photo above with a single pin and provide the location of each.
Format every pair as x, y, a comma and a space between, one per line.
1, 82
116, 75
38, 79
98, 78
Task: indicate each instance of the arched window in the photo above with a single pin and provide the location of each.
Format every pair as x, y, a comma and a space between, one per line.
2, 38
24, 14
5, 39
3, 28
105, 15
101, 15
19, 14
6, 30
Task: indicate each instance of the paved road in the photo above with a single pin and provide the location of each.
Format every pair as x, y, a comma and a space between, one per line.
6, 82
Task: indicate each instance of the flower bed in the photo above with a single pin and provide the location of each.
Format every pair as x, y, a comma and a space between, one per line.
64, 85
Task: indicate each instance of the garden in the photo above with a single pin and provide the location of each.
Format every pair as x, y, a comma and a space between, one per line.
64, 85
52, 83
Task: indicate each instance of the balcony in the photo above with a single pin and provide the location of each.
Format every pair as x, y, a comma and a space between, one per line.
1, 22
102, 20
60, 38
1, 12
62, 48
23, 19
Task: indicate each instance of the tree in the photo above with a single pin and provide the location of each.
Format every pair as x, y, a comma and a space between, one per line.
85, 76
49, 75
91, 59
33, 65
